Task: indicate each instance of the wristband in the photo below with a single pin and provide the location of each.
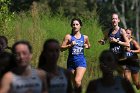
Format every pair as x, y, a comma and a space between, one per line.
118, 41
132, 51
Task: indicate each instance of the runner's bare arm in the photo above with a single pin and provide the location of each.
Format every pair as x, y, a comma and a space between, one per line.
6, 83
137, 47
126, 41
123, 43
65, 43
87, 43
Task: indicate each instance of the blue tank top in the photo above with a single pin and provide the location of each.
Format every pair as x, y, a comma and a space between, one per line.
115, 47
131, 54
78, 49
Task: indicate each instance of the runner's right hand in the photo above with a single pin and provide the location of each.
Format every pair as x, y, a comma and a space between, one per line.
73, 43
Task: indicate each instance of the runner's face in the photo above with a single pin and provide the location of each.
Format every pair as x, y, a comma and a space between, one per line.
115, 20
76, 26
52, 52
23, 55
129, 33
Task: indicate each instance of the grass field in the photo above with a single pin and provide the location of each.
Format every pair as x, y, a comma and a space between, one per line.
36, 28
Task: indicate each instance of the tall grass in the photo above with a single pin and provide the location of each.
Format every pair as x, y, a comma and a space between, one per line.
36, 27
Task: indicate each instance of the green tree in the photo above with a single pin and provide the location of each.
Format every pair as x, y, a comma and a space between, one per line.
5, 17
4, 14
73, 8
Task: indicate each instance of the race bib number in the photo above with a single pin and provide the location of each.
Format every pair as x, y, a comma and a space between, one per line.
78, 50
78, 47
116, 50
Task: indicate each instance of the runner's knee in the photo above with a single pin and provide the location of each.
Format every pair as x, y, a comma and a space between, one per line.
78, 82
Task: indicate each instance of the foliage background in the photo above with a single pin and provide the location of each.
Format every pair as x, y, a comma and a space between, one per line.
43, 19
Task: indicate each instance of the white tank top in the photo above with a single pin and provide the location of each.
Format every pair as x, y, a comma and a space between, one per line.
116, 88
58, 84
29, 84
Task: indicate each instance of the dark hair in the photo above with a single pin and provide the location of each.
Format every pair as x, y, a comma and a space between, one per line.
6, 59
47, 42
22, 42
42, 58
116, 14
107, 56
130, 29
77, 19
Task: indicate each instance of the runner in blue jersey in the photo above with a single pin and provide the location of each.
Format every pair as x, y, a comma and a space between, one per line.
132, 61
76, 42
117, 37
23, 78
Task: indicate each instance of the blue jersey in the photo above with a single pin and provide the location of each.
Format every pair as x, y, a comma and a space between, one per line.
78, 48
76, 53
115, 47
